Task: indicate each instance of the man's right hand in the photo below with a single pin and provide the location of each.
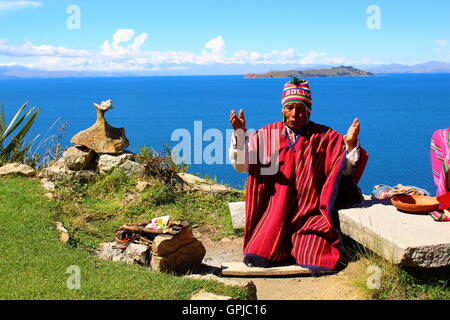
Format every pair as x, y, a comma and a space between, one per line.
238, 122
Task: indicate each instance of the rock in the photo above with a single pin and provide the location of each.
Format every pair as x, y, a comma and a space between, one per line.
101, 137
56, 171
200, 184
83, 175
49, 195
205, 295
141, 185
12, 168
47, 184
138, 252
122, 258
237, 211
165, 243
59, 171
108, 162
133, 169
79, 158
185, 259
243, 284
190, 178
109, 251
414, 240
63, 233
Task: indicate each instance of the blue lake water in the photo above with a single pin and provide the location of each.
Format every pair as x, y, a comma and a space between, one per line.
398, 113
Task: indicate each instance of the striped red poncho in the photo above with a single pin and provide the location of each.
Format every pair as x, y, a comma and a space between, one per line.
289, 214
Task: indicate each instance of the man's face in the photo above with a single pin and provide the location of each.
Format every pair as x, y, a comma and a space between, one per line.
295, 115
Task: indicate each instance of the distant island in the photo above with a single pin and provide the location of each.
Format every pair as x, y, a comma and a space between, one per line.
342, 71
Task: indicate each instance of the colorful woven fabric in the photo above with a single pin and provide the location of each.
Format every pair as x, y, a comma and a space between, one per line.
440, 162
383, 191
297, 91
440, 159
290, 214
441, 215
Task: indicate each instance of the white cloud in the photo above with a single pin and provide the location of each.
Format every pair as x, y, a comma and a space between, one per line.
16, 5
30, 50
117, 51
312, 57
216, 45
122, 35
440, 43
125, 52
138, 42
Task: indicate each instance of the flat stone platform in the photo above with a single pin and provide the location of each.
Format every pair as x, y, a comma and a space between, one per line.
408, 239
240, 269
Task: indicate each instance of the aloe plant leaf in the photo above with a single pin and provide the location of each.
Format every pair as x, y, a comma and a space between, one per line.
18, 138
11, 123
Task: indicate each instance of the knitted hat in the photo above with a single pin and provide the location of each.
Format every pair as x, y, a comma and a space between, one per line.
297, 91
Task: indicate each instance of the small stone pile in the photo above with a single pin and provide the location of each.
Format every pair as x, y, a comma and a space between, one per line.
173, 249
99, 148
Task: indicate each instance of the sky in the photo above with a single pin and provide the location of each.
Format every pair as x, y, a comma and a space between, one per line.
148, 35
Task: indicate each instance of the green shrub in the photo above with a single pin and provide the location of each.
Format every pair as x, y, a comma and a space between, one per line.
160, 164
159, 194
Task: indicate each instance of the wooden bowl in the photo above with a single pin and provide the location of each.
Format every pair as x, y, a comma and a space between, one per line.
415, 203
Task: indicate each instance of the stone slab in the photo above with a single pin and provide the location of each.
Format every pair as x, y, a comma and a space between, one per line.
237, 211
205, 295
203, 185
408, 239
240, 269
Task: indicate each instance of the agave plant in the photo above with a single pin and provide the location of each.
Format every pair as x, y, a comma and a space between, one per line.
13, 149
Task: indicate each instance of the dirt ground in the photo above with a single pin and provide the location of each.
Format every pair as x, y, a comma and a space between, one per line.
340, 286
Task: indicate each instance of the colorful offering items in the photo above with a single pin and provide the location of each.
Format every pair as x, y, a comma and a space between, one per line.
158, 223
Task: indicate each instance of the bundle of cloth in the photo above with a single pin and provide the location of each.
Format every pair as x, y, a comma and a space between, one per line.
383, 191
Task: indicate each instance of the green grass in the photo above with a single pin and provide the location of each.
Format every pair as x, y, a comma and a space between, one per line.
92, 212
397, 282
33, 262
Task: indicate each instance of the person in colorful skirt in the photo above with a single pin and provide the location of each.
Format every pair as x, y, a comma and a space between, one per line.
298, 174
440, 163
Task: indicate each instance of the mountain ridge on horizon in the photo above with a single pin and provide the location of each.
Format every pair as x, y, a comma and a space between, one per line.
18, 71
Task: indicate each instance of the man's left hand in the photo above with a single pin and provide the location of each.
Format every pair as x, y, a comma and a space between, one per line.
351, 138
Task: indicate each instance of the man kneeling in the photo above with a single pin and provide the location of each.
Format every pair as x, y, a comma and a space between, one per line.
298, 172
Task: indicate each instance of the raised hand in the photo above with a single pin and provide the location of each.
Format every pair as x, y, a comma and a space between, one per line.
351, 138
238, 122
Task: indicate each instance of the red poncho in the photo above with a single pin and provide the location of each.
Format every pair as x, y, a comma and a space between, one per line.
289, 214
